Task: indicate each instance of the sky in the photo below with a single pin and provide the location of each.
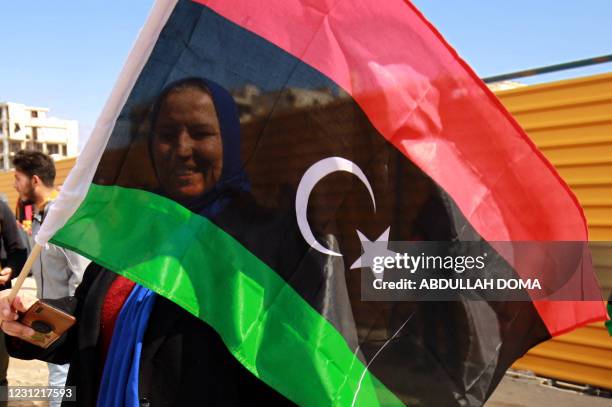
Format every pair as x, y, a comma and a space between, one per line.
66, 55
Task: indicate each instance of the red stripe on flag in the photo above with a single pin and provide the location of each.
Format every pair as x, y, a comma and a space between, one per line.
426, 101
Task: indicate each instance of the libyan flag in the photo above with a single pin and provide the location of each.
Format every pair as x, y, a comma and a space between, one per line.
247, 149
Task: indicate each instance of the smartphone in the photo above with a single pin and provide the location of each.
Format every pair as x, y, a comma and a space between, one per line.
48, 322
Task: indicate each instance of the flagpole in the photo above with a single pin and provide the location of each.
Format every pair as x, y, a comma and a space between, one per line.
550, 68
24, 272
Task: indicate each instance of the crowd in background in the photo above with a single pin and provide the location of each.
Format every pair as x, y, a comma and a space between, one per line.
57, 271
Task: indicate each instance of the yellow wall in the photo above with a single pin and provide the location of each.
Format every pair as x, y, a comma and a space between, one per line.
571, 122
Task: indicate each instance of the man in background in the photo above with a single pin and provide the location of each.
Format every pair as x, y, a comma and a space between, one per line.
57, 271
13, 255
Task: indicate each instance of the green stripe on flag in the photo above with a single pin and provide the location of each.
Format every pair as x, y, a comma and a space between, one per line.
186, 258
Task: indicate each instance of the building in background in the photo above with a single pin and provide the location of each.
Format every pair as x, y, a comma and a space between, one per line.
254, 103
29, 127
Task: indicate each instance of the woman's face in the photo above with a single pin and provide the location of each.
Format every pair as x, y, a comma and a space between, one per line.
187, 147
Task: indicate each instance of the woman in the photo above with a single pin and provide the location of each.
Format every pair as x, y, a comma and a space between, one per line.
131, 347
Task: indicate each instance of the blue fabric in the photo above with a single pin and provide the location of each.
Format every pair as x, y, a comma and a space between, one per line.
119, 385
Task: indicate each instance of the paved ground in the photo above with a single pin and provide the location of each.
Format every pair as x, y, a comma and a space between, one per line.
530, 392
27, 373
514, 391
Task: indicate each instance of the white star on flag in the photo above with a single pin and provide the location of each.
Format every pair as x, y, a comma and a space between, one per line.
366, 259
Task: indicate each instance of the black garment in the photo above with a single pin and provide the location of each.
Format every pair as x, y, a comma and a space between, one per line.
183, 361
4, 362
13, 255
13, 249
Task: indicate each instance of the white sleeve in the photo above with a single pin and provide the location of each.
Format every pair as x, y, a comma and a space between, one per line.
76, 265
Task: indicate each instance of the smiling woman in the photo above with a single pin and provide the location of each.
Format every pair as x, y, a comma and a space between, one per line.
194, 144
193, 138
186, 145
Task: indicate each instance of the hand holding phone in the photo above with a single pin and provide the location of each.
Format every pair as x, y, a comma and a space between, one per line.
37, 322
32, 320
47, 322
